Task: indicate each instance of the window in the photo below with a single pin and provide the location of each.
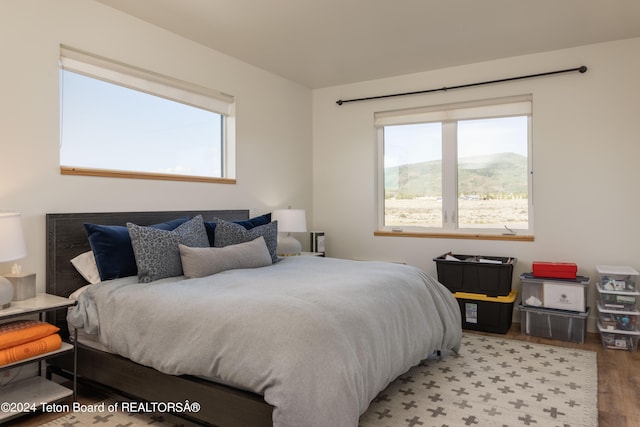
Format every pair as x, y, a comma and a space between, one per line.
121, 121
456, 169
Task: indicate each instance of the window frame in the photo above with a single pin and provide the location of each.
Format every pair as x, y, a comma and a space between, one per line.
449, 115
152, 83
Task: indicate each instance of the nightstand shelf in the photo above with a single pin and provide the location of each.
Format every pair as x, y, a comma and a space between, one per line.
41, 303
65, 348
32, 392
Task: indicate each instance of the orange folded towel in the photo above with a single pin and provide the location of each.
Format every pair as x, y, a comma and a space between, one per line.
30, 349
23, 331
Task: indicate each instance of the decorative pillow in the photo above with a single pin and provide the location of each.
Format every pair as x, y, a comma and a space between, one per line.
111, 246
156, 251
246, 223
85, 263
22, 331
200, 262
229, 233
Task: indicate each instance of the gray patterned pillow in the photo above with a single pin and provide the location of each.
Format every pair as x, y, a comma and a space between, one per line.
156, 251
228, 233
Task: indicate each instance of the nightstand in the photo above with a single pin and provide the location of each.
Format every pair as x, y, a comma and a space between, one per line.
311, 253
30, 394
319, 254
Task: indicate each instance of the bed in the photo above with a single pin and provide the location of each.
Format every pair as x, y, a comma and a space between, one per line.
304, 341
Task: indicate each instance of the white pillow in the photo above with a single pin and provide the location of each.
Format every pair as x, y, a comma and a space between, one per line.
85, 263
76, 294
200, 262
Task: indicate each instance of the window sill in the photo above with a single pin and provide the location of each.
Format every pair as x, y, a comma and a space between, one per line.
470, 236
66, 170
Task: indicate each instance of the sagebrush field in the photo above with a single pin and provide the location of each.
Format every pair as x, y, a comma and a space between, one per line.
427, 211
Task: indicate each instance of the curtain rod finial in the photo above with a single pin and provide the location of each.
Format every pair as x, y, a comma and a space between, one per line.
583, 69
339, 102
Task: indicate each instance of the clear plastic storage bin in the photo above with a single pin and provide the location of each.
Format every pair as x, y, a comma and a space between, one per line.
555, 324
617, 277
617, 300
619, 340
562, 294
618, 319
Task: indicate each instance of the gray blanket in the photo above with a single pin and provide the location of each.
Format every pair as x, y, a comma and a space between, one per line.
319, 338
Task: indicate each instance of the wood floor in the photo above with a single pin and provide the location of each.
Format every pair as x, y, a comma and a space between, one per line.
618, 383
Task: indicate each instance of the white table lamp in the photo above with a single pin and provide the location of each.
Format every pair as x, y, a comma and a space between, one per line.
289, 221
12, 247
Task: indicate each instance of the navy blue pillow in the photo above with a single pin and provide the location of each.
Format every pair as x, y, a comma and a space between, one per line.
246, 223
111, 246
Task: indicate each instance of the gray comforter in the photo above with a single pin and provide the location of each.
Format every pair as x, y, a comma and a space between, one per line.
317, 337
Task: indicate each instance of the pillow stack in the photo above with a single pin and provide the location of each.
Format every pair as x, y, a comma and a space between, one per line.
162, 250
23, 339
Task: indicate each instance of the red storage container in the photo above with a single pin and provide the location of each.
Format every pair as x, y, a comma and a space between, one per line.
555, 270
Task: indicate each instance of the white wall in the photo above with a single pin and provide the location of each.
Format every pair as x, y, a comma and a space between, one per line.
273, 121
585, 152
586, 155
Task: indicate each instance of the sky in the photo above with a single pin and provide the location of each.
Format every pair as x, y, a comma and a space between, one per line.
407, 144
106, 126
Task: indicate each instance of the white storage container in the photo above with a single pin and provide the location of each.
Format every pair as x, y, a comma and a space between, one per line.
617, 277
561, 294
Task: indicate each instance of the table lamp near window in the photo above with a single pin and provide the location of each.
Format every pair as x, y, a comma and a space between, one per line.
12, 247
289, 221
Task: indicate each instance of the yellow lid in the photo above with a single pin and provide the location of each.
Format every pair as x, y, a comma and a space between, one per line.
480, 297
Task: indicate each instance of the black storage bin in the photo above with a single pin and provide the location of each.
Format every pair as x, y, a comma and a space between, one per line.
486, 275
484, 313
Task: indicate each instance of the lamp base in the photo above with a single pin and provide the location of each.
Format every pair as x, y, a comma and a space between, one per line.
24, 285
288, 246
6, 293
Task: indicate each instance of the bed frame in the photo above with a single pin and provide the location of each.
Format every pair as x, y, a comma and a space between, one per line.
220, 405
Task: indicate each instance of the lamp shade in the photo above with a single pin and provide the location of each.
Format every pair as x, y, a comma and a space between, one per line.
290, 220
12, 245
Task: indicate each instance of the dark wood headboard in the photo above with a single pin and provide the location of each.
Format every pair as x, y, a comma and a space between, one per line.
67, 238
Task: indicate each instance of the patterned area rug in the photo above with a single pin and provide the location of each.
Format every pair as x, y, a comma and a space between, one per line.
105, 418
491, 382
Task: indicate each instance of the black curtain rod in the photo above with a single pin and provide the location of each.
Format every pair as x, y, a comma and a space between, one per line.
581, 69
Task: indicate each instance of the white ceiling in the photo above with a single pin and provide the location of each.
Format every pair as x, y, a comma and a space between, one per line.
320, 43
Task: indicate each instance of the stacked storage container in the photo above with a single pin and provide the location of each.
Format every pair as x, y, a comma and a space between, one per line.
618, 307
482, 287
554, 302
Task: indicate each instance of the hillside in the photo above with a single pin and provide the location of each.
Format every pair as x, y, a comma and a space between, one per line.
494, 174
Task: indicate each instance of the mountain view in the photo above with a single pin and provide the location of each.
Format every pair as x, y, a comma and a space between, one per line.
497, 175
